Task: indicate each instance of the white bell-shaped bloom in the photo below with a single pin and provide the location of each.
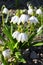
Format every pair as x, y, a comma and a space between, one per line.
14, 19
39, 11
23, 18
22, 37
29, 6
15, 34
30, 11
2, 64
6, 53
33, 19
5, 11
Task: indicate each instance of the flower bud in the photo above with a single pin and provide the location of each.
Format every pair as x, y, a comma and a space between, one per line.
5, 11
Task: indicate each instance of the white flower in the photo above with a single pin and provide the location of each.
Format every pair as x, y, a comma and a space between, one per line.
33, 19
5, 11
14, 19
22, 37
15, 34
2, 64
23, 18
30, 11
29, 7
6, 53
39, 11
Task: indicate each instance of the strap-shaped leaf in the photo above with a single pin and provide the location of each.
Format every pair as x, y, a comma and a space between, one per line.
40, 30
19, 57
32, 36
38, 44
16, 45
6, 32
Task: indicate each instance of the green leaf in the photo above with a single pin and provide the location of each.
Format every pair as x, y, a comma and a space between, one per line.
22, 60
10, 46
6, 32
38, 44
19, 57
32, 36
4, 61
15, 46
40, 30
17, 54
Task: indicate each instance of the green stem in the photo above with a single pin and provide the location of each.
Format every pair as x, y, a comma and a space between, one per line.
2, 20
4, 61
41, 20
32, 28
11, 29
20, 29
16, 61
17, 3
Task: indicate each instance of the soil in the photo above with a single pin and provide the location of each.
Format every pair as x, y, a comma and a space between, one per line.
11, 3
34, 61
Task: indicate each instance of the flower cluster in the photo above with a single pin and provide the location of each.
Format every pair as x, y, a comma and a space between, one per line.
20, 36
22, 19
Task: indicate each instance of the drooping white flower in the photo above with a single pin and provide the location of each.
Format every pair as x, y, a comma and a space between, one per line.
39, 11
15, 34
33, 19
30, 11
5, 11
6, 53
2, 64
14, 19
29, 6
23, 18
22, 37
